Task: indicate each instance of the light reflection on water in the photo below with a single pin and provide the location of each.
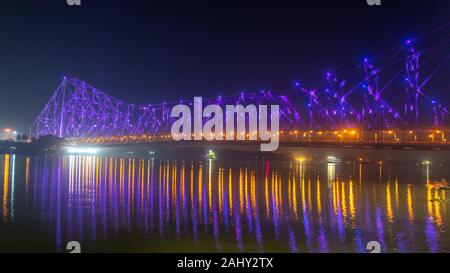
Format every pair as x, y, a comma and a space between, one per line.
149, 205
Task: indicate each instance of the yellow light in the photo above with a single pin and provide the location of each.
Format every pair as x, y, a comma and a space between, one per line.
299, 159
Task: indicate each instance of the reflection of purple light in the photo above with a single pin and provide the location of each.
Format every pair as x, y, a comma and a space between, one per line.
306, 224
276, 227
238, 230
380, 226
340, 224
292, 241
216, 225
249, 213
431, 234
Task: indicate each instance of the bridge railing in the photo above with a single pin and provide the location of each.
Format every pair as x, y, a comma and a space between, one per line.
391, 136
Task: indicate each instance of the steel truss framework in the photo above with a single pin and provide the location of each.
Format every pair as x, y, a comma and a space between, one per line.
78, 110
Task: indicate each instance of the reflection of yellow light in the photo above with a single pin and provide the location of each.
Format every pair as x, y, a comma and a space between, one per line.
410, 205
389, 202
6, 188
437, 209
352, 201
343, 201
230, 189
300, 159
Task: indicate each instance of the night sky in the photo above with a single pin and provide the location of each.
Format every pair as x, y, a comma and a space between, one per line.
154, 51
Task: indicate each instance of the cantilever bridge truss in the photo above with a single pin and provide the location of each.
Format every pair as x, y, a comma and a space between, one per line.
403, 88
78, 110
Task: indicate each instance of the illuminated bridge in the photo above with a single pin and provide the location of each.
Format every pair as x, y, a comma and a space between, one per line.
398, 96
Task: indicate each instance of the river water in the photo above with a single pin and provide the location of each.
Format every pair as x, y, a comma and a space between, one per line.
154, 205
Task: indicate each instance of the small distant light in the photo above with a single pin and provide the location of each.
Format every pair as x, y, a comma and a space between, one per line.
426, 162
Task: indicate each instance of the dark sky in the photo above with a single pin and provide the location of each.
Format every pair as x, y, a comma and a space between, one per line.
153, 51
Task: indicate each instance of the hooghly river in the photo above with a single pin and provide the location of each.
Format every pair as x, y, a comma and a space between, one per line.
155, 205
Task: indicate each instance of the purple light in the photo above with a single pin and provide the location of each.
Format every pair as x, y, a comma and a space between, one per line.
88, 112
